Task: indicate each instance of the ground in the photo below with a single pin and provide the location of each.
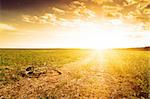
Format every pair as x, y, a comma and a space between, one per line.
74, 73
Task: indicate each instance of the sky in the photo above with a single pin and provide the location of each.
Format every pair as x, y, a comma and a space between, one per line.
74, 23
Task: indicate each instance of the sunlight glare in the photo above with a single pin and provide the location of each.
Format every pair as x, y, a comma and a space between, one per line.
97, 35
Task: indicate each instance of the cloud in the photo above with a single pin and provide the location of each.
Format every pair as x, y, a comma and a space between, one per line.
57, 10
82, 11
79, 9
47, 18
101, 1
7, 27
76, 10
136, 9
27, 18
132, 11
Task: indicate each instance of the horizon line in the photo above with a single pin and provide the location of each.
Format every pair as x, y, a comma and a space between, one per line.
78, 48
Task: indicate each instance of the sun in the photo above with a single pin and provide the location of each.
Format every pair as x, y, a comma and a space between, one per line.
95, 35
106, 34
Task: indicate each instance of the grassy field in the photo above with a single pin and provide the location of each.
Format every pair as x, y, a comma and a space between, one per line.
74, 73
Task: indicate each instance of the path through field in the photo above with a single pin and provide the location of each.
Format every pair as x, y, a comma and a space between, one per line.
100, 75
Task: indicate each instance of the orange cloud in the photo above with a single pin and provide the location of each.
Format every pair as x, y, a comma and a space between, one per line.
132, 11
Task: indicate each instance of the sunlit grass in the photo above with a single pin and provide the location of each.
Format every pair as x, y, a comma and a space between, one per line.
85, 73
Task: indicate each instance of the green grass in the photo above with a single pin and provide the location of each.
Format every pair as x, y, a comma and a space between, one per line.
39, 57
85, 73
12, 61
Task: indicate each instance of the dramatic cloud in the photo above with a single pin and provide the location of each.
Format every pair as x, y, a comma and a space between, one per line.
77, 10
136, 10
76, 21
133, 11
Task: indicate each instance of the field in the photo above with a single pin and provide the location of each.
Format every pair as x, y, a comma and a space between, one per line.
74, 74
